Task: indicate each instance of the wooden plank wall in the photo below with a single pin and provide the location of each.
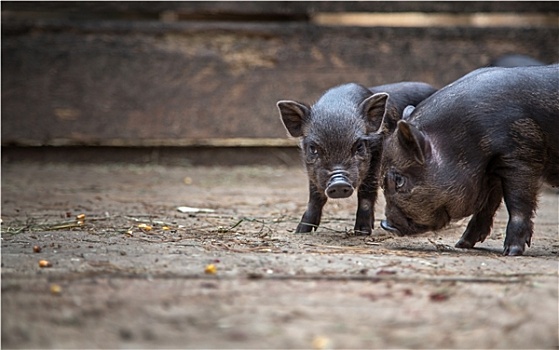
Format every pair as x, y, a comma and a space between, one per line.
209, 73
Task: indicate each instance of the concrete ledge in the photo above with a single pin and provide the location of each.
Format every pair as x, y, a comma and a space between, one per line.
183, 156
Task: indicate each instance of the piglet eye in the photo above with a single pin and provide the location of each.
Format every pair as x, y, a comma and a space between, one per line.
399, 181
312, 149
394, 181
360, 148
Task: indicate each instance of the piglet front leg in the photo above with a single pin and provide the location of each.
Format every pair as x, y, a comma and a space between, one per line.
311, 217
480, 224
365, 216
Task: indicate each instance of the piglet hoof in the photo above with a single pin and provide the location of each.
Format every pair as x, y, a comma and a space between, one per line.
514, 250
305, 228
462, 243
361, 232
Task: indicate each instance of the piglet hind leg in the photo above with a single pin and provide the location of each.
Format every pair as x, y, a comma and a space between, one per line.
520, 199
311, 217
480, 224
365, 215
521, 174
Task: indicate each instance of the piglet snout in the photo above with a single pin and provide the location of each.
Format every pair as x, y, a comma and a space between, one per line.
339, 186
388, 227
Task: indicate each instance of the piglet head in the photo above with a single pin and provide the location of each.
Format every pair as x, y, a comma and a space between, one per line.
415, 195
338, 138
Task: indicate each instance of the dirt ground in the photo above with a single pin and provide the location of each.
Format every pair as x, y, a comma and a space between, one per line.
137, 273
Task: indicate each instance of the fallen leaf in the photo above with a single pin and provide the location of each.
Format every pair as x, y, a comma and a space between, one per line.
321, 343
55, 289
210, 269
441, 295
44, 263
192, 210
187, 180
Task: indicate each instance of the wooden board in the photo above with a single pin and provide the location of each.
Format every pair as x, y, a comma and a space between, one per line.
151, 9
148, 83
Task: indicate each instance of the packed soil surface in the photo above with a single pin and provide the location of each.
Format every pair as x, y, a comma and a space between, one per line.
127, 269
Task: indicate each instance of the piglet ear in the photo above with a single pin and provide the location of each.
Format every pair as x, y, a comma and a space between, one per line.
407, 112
374, 108
293, 116
390, 119
413, 141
